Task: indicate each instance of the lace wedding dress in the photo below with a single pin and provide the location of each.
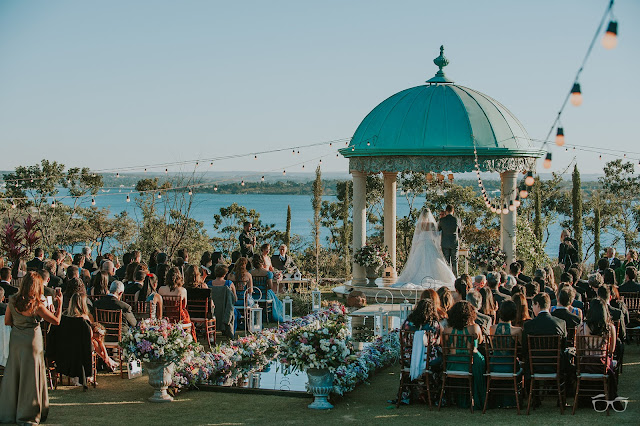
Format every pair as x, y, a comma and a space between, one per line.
425, 266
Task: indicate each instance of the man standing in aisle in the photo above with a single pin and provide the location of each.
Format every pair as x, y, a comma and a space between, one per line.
451, 228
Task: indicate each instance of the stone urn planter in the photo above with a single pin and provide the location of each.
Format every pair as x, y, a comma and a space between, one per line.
160, 378
373, 273
320, 385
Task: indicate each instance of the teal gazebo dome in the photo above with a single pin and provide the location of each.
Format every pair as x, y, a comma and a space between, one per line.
437, 127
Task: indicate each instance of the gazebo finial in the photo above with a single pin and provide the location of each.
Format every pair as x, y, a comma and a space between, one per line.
441, 62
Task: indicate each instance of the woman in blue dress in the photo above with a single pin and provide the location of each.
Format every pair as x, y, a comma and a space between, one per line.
259, 271
461, 322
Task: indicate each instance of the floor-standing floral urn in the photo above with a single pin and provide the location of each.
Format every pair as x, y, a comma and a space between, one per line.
372, 273
160, 378
320, 385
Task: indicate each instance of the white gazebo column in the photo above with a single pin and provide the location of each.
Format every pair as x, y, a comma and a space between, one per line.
390, 274
509, 181
359, 222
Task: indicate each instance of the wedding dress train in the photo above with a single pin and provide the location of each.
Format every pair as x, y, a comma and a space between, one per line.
425, 266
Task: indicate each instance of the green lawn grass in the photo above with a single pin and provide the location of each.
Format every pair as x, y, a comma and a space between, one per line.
124, 402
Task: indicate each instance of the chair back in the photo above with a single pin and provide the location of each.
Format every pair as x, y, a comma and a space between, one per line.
457, 352
629, 295
633, 303
544, 354
93, 298
571, 337
260, 283
406, 348
112, 323
172, 308
129, 299
501, 353
199, 308
141, 309
592, 354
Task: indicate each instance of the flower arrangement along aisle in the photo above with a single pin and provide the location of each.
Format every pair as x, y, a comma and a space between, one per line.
158, 344
483, 255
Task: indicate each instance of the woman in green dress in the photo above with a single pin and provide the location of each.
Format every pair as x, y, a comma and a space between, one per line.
23, 393
461, 322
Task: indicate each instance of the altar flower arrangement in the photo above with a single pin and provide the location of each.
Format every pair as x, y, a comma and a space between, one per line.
484, 255
156, 341
319, 345
372, 256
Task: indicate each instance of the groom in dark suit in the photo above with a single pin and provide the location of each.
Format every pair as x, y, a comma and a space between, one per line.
451, 228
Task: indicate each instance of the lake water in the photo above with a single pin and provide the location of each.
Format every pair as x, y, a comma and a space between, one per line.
273, 210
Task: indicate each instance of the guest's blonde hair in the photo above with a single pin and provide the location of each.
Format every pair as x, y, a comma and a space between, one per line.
77, 306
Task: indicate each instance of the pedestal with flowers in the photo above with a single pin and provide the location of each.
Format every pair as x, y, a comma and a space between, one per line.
158, 344
373, 258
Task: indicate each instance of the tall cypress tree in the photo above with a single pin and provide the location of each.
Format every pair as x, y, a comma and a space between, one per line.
576, 202
316, 202
537, 206
346, 242
596, 233
287, 234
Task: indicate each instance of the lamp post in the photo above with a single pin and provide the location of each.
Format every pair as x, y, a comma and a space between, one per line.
316, 300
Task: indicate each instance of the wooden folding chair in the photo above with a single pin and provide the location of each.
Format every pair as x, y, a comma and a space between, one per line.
502, 366
422, 383
141, 310
545, 365
172, 308
200, 313
112, 322
129, 299
260, 283
457, 356
592, 357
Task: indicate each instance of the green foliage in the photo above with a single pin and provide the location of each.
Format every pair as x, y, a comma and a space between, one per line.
529, 248
620, 191
287, 232
228, 224
537, 216
335, 216
316, 203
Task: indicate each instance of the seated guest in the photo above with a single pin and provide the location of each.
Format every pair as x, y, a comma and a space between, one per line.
522, 276
615, 314
122, 270
89, 263
595, 281
78, 308
193, 278
550, 279
484, 321
598, 323
630, 284
128, 275
173, 286
161, 259
137, 281
609, 277
259, 270
563, 310
506, 283
18, 271
603, 264
479, 282
462, 286
220, 272
112, 302
617, 302
493, 281
75, 285
514, 271
3, 305
153, 260
149, 293
522, 310
630, 260
446, 298
462, 322
612, 259
544, 324
37, 263
282, 261
58, 257
108, 267
100, 284
488, 306
432, 295
424, 317
54, 280
506, 316
206, 264
239, 274
161, 272
217, 258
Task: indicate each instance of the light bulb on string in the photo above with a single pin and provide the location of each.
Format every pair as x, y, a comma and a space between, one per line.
117, 175
298, 152
560, 136
512, 207
159, 195
303, 167
262, 179
211, 164
294, 152
368, 143
601, 156
197, 164
215, 188
610, 37
255, 157
330, 143
337, 156
524, 193
166, 170
284, 172
517, 202
93, 201
190, 191
529, 181
242, 183
320, 161
13, 204
547, 161
145, 170
576, 95
505, 209
53, 204
353, 148
128, 199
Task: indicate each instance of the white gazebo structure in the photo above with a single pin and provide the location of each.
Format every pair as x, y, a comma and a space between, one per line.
435, 127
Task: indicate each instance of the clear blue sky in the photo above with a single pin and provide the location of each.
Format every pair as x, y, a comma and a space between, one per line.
121, 83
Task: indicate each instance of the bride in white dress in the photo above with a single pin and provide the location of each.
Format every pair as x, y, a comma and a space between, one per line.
425, 266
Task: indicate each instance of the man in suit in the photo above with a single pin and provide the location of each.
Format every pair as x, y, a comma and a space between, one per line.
247, 240
614, 262
565, 298
126, 260
5, 282
514, 271
484, 321
522, 276
112, 302
282, 261
3, 305
630, 284
502, 287
137, 283
89, 263
51, 267
37, 262
47, 290
451, 228
58, 257
595, 280
544, 324
493, 283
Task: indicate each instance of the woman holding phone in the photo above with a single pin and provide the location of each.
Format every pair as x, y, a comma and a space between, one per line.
23, 392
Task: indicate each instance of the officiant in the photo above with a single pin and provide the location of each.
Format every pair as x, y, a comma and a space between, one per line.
282, 261
568, 252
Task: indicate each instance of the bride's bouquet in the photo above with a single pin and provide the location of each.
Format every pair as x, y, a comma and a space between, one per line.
372, 256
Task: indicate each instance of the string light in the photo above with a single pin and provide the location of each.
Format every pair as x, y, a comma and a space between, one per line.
255, 157
117, 175
560, 136
512, 206
576, 95
547, 161
53, 204
197, 163
505, 209
529, 181
242, 183
190, 191
159, 195
128, 199
93, 201
13, 204
610, 37
284, 172
517, 202
215, 188
524, 193
262, 179
166, 170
